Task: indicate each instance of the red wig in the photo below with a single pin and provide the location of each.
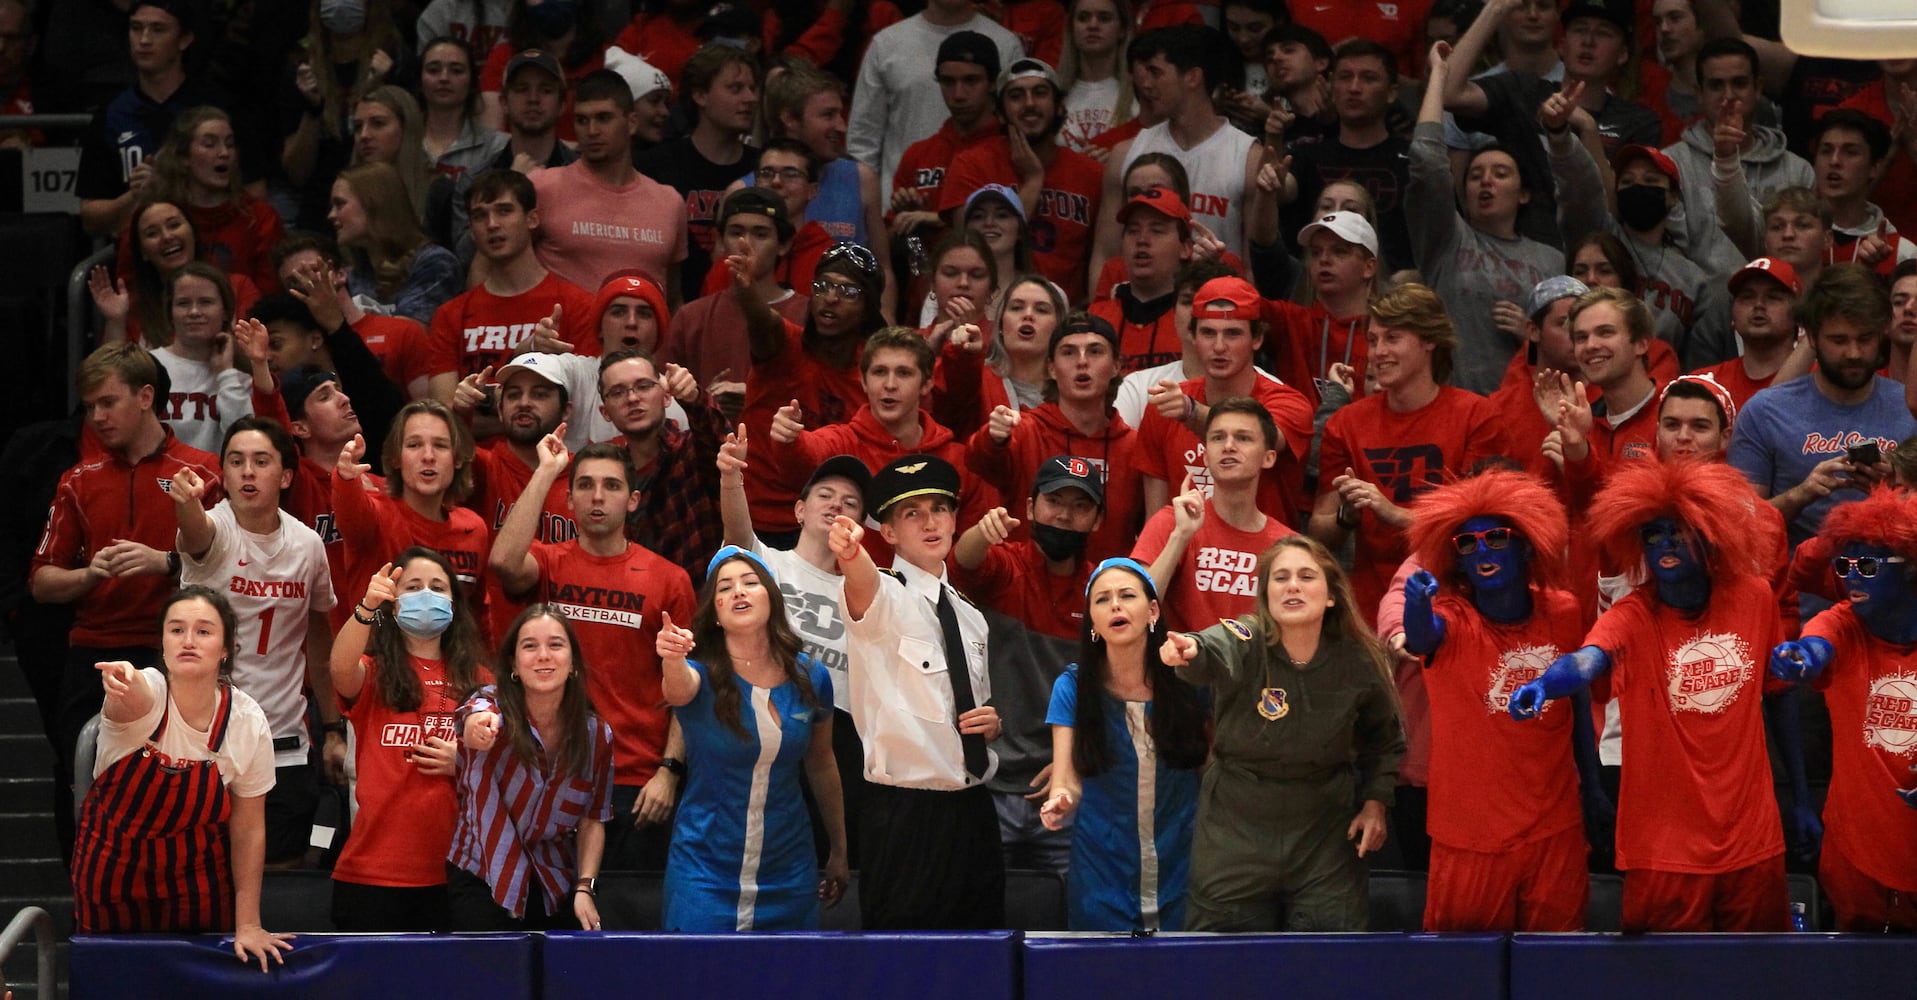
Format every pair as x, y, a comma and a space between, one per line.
1713, 499
1515, 497
1886, 518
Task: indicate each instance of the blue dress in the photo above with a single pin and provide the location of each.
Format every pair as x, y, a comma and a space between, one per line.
742, 855
1131, 835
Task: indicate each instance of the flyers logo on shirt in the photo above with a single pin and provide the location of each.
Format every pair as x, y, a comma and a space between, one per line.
603, 605
1890, 715
1404, 472
1706, 674
1514, 670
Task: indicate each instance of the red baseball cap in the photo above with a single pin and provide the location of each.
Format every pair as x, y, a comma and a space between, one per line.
1774, 268
1664, 164
1227, 298
1160, 199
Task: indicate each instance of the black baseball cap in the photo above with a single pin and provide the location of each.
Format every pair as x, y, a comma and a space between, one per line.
1082, 323
1069, 471
969, 47
757, 201
846, 467
301, 382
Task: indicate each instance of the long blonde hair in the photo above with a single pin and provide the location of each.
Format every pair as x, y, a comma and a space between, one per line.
1068, 60
381, 33
415, 168
393, 235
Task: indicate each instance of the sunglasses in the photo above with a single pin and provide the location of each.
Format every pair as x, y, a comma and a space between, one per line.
860, 257
1651, 534
1866, 567
1466, 542
850, 293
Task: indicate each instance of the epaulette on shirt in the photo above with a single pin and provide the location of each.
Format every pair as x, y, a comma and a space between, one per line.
894, 574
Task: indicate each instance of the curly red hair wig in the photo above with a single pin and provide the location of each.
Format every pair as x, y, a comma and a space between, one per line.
1887, 518
1527, 505
1712, 498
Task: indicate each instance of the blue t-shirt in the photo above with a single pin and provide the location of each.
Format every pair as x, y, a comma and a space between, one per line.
837, 208
1785, 430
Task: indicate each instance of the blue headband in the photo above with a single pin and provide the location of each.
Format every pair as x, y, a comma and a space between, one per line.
733, 550
1124, 563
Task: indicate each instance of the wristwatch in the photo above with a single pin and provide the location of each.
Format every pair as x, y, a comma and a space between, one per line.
675, 765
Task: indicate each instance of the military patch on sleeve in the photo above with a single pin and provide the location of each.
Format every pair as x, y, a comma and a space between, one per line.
1237, 628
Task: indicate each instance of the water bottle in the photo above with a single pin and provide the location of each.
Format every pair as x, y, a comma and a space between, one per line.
1799, 920
915, 254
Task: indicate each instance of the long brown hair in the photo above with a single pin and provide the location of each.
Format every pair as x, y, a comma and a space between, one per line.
415, 168
710, 639
148, 287
172, 176
1342, 622
461, 482
460, 647
1177, 724
394, 237
572, 753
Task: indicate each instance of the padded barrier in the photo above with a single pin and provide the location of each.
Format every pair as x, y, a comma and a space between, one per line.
195, 968
1606, 967
1340, 966
981, 966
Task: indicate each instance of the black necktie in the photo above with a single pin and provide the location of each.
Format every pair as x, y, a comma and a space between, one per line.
961, 672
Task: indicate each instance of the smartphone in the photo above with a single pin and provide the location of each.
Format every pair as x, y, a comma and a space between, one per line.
1867, 453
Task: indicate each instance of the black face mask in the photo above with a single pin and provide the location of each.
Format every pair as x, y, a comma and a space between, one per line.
1641, 207
1059, 544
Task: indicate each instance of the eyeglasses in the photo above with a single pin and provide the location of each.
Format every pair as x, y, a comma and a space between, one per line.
1466, 542
1864, 566
860, 257
791, 175
615, 393
850, 293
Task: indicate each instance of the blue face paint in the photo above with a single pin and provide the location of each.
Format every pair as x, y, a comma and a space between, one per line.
1887, 602
1495, 567
1676, 561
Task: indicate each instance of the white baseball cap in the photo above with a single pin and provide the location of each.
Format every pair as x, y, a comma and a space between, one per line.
546, 366
643, 77
1348, 226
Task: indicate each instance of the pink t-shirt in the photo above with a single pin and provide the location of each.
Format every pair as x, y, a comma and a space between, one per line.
589, 230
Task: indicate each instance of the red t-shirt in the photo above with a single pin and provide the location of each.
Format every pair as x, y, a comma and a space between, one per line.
1497, 783
400, 344
1398, 26
499, 477
1061, 232
1310, 340
477, 329
1404, 454
1218, 577
381, 526
662, 40
1169, 451
404, 826
827, 395
1144, 344
615, 604
104, 500
1697, 798
923, 165
1014, 582
1870, 687
1731, 375
708, 335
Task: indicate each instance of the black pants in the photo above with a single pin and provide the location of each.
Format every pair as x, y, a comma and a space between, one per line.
848, 751
80, 699
630, 848
1407, 827
386, 909
931, 860
470, 907
289, 813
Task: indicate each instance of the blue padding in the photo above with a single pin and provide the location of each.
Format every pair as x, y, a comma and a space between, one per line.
980, 966
320, 965
1569, 966
1342, 966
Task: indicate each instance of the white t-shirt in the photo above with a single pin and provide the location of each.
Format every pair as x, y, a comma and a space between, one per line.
245, 757
812, 607
1089, 108
1216, 168
202, 405
588, 425
273, 581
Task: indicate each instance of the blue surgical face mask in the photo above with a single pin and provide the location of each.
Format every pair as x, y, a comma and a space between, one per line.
423, 614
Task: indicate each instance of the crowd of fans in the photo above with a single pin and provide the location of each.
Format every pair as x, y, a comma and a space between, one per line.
1186, 446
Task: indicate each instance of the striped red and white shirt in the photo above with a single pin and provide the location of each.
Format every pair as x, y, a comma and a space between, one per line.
517, 821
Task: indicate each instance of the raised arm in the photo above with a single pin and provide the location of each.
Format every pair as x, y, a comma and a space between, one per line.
128, 696
861, 573
679, 683
343, 661
196, 528
1188, 514
1457, 92
735, 512
1423, 626
511, 559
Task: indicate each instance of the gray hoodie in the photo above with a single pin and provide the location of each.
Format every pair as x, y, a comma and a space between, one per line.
1768, 168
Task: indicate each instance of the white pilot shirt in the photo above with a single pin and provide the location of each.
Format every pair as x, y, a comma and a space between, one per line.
900, 692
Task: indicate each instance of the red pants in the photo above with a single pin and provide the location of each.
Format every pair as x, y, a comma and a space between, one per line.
1539, 886
1752, 898
1863, 903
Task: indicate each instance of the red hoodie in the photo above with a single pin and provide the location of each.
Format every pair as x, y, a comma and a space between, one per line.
864, 437
1043, 432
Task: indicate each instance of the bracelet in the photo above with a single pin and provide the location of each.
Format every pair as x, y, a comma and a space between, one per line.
173, 564
371, 617
589, 886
